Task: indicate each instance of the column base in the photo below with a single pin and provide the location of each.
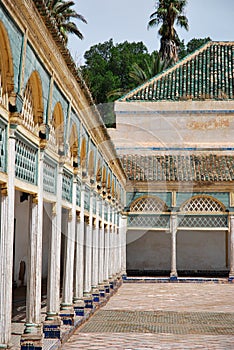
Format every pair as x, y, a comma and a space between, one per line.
124, 277
67, 314
88, 300
52, 327
95, 295
231, 277
30, 341
173, 277
107, 288
79, 307
102, 292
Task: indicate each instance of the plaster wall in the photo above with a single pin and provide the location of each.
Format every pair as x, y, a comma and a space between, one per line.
148, 250
158, 130
196, 250
200, 250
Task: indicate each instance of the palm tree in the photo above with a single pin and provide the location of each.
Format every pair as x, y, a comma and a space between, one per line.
62, 13
169, 12
152, 66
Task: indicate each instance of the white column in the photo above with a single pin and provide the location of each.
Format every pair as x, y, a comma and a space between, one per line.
33, 301
106, 248
173, 245
53, 281
115, 255
231, 274
79, 266
101, 247
95, 247
67, 298
6, 245
119, 240
112, 251
88, 250
123, 229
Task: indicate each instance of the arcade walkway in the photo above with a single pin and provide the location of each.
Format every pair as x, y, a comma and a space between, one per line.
166, 316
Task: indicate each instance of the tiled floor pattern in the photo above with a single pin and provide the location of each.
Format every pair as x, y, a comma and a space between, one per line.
162, 316
107, 321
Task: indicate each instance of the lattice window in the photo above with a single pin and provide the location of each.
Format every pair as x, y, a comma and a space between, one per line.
94, 205
49, 176
3, 135
67, 186
3, 96
26, 161
27, 109
52, 142
87, 199
149, 221
203, 221
149, 204
100, 209
106, 212
78, 188
201, 204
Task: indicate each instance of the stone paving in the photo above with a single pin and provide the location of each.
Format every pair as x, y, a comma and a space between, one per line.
162, 316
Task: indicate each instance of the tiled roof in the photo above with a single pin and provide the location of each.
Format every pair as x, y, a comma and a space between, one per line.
208, 73
179, 167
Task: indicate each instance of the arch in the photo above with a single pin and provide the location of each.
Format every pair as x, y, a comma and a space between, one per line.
73, 145
58, 126
32, 110
148, 204
109, 183
202, 203
104, 176
6, 67
83, 153
91, 164
113, 192
99, 171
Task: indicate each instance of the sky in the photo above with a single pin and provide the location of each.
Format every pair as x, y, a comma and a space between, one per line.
127, 20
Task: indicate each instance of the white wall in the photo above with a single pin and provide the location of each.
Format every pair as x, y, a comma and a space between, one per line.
200, 250
196, 250
148, 250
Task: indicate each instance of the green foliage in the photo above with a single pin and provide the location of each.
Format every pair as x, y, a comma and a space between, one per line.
194, 44
107, 67
152, 65
191, 46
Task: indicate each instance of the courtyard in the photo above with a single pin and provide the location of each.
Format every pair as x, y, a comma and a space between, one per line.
162, 316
